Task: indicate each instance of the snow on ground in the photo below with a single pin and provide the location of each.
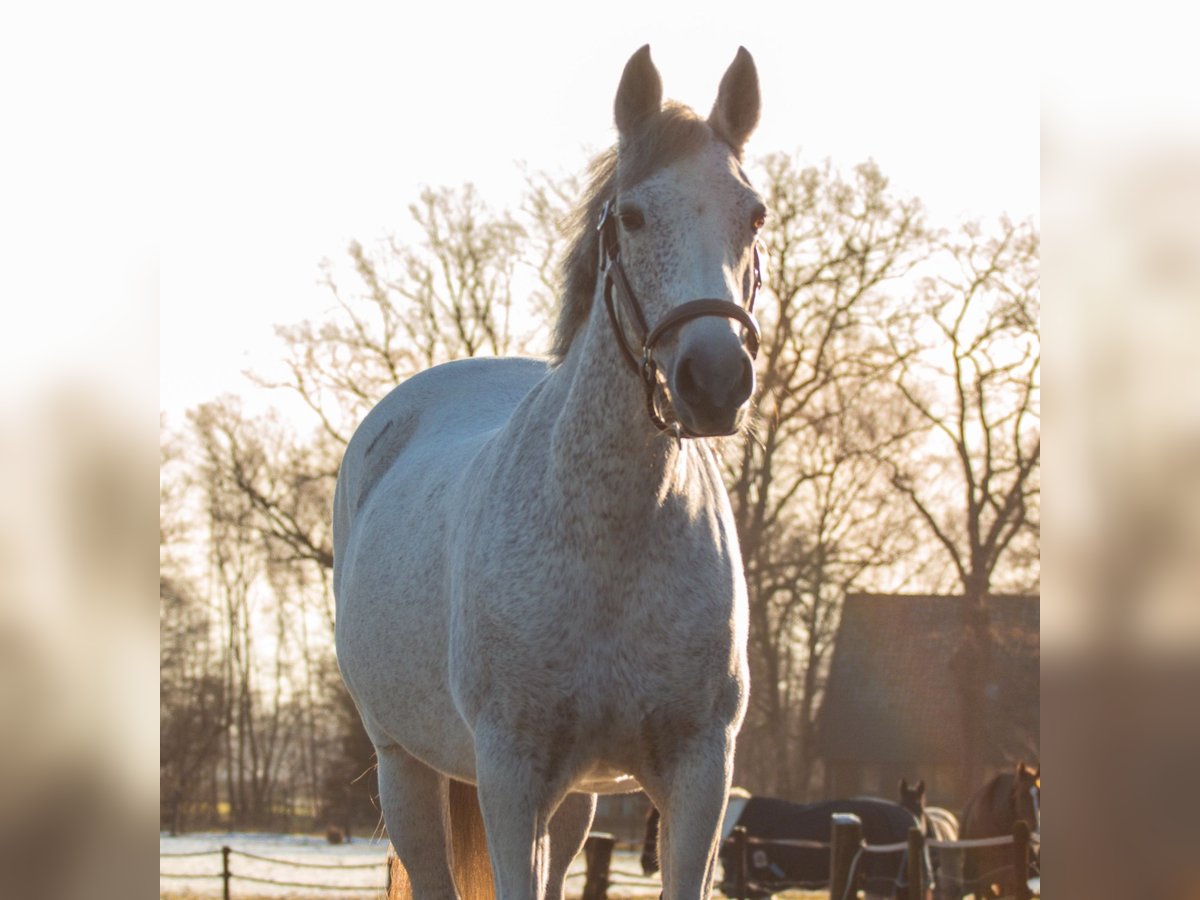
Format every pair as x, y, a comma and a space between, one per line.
356, 869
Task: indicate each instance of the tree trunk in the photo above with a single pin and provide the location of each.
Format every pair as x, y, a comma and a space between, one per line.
805, 735
974, 668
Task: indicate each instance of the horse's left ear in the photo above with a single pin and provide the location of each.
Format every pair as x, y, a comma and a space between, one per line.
919, 787
736, 111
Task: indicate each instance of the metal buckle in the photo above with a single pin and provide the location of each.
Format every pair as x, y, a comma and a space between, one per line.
604, 213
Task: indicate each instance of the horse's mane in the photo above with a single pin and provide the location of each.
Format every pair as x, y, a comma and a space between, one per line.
1000, 790
992, 799
670, 134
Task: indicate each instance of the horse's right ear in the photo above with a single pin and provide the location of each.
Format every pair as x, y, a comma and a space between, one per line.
919, 787
736, 111
640, 92
904, 785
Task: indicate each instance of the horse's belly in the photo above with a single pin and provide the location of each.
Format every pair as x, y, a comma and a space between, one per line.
399, 681
602, 778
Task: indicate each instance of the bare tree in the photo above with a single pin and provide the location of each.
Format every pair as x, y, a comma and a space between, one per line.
238, 465
444, 296
814, 514
270, 482
968, 364
193, 715
548, 208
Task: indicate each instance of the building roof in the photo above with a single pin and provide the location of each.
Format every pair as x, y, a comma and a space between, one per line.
891, 694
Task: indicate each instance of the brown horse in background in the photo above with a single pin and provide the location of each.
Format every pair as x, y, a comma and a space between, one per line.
992, 812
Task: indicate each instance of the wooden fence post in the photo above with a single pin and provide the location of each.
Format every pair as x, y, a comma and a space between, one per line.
597, 851
225, 873
915, 864
845, 840
741, 872
1021, 859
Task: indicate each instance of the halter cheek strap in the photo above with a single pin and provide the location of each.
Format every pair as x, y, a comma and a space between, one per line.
641, 359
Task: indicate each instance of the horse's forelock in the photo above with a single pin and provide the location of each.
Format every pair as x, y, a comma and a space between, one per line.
674, 133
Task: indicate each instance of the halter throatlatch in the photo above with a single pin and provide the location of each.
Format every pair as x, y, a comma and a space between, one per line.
641, 360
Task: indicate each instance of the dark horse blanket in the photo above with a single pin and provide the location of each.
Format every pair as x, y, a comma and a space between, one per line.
771, 868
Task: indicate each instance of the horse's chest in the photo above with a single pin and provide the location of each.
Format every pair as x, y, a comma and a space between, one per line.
626, 699
612, 641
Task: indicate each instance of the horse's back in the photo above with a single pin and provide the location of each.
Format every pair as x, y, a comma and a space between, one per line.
944, 823
437, 414
773, 819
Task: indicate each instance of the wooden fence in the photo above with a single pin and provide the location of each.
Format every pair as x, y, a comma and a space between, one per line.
846, 846
228, 874
847, 851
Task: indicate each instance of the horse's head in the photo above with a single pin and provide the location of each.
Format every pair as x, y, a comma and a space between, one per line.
913, 798
1027, 795
683, 225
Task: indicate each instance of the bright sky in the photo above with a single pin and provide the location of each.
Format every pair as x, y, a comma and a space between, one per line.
293, 129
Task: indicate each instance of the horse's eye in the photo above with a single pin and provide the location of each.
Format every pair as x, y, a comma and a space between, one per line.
631, 219
760, 219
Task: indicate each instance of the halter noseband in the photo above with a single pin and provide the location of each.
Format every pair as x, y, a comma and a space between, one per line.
642, 362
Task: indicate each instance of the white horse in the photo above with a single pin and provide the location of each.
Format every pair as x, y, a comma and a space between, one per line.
539, 587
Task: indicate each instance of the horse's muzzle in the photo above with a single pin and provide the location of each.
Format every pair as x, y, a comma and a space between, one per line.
711, 385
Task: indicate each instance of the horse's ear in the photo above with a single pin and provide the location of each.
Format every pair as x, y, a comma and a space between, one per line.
736, 111
640, 92
919, 787
904, 785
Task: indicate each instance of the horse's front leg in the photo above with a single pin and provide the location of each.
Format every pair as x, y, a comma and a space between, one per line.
517, 799
692, 795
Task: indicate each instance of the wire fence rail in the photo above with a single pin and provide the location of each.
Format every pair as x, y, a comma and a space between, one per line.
227, 874
846, 847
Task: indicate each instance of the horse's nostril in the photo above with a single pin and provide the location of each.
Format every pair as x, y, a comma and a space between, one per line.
745, 384
685, 379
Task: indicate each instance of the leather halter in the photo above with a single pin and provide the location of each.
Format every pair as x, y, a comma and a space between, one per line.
641, 361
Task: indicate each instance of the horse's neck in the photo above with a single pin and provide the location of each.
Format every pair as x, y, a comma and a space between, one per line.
1004, 794
609, 459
